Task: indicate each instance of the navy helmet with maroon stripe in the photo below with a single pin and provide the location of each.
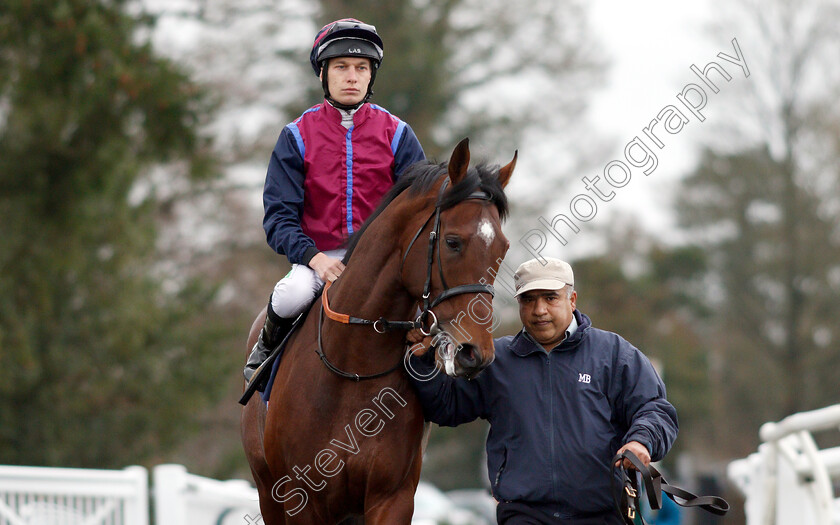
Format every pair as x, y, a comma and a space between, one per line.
347, 37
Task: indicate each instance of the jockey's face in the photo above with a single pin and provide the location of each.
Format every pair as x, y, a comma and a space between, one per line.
348, 79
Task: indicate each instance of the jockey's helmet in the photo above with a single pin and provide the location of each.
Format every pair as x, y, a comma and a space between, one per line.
347, 37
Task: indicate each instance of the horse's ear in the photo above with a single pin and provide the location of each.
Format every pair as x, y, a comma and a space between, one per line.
459, 161
506, 171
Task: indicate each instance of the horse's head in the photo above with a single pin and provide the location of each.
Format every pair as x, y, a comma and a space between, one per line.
452, 249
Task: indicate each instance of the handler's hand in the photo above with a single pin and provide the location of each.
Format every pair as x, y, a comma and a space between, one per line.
415, 336
327, 268
636, 448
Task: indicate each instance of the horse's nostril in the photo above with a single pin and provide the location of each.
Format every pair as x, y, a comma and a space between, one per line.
468, 356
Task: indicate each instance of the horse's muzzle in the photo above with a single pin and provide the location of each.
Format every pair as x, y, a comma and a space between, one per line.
469, 360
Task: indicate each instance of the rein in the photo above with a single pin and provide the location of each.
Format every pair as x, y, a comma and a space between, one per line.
334, 369
383, 325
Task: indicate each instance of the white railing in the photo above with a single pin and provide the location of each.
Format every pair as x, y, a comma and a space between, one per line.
789, 479
50, 496
64, 496
182, 498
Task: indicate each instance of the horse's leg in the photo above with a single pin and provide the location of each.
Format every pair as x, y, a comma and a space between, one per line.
272, 512
396, 510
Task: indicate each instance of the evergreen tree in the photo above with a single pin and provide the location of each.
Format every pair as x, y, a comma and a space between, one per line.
101, 359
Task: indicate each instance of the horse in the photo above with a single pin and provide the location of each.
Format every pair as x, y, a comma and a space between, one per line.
341, 438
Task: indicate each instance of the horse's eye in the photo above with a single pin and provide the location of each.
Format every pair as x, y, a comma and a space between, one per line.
453, 243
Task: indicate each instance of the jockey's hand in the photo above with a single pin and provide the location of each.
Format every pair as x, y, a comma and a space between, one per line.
327, 268
636, 448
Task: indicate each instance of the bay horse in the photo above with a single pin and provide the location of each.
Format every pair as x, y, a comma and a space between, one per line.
341, 439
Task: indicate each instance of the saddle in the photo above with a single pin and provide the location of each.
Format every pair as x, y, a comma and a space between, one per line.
627, 491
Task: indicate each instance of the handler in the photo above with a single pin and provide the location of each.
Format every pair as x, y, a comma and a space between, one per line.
562, 398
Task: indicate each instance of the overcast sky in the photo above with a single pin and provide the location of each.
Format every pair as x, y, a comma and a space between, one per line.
651, 45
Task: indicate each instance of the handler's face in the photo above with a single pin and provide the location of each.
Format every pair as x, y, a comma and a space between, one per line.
546, 314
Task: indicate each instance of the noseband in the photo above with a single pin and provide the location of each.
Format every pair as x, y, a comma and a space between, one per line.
383, 325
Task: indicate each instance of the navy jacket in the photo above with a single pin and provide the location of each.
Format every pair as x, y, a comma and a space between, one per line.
557, 419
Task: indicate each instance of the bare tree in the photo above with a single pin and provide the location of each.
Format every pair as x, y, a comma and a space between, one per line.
764, 202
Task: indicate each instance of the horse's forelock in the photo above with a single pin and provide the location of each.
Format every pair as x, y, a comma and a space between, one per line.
481, 178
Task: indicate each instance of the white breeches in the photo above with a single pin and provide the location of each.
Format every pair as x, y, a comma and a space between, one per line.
296, 290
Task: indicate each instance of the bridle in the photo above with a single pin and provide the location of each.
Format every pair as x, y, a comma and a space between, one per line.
383, 325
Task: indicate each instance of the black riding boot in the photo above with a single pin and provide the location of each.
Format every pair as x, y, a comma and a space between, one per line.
271, 335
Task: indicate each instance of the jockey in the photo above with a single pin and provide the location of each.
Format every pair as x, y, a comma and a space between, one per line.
327, 173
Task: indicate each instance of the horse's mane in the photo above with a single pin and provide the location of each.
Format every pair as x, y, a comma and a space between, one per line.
419, 178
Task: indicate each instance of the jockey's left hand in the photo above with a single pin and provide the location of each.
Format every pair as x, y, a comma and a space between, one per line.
328, 268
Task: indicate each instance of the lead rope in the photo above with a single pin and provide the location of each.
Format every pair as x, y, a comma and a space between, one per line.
627, 495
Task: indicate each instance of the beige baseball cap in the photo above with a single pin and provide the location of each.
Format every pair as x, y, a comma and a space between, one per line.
548, 274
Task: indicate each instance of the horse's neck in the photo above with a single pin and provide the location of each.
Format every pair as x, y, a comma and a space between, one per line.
369, 288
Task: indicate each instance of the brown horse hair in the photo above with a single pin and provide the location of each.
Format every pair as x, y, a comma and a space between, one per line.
419, 179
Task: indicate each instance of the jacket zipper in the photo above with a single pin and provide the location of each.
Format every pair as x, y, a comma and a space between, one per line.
501, 469
551, 426
348, 166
